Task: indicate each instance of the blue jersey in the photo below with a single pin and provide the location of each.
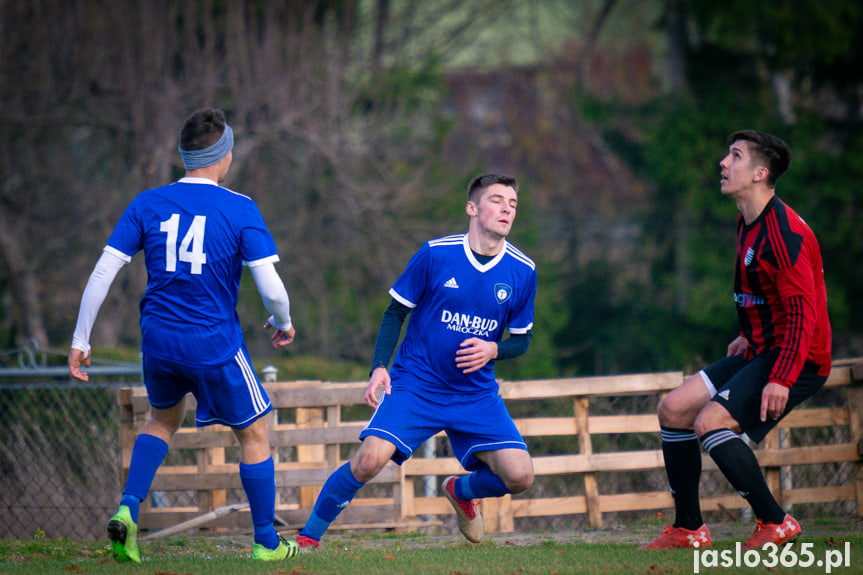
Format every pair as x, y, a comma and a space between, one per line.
196, 236
453, 298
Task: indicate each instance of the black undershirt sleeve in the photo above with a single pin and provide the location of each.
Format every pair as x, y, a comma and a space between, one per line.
514, 346
388, 334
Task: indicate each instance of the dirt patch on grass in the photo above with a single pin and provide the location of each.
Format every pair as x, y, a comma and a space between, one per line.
826, 530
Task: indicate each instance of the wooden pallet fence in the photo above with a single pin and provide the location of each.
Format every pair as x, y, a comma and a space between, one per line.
311, 436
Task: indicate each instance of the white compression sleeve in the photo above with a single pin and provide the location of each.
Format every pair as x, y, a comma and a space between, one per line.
94, 294
274, 294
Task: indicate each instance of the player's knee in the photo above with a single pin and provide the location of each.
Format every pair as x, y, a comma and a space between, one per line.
713, 417
665, 412
672, 413
366, 465
520, 482
704, 424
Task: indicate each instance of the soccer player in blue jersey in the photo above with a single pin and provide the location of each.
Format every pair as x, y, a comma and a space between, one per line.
196, 237
463, 291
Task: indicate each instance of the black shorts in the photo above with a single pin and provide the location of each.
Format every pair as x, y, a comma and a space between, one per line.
737, 385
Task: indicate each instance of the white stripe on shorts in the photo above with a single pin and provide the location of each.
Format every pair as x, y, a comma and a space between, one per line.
251, 382
711, 389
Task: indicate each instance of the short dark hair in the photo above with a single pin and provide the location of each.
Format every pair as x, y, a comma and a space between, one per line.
202, 129
481, 182
767, 149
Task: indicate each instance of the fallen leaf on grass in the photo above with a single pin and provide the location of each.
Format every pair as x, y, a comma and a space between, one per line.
297, 570
73, 568
657, 569
389, 556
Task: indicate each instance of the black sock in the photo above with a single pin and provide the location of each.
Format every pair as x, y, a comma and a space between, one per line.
682, 454
740, 466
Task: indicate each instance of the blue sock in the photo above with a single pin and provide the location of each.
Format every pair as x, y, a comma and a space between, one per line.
147, 455
480, 484
259, 482
336, 494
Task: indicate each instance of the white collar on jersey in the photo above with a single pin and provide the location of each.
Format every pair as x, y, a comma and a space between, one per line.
188, 180
475, 263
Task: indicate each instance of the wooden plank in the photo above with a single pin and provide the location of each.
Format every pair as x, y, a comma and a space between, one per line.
649, 423
432, 506
598, 424
771, 474
334, 421
436, 466
616, 461
624, 424
820, 494
634, 384
855, 408
191, 438
585, 447
839, 375
807, 455
310, 418
497, 514
188, 478
645, 460
506, 519
405, 499
345, 433
346, 394
128, 433
545, 426
549, 506
636, 501
815, 417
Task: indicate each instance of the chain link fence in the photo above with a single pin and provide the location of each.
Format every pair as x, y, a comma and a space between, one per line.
59, 459
60, 462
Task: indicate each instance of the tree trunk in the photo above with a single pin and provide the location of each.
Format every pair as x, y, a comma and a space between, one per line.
24, 287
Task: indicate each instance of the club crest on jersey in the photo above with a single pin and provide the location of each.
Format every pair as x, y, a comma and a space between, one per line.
502, 292
750, 254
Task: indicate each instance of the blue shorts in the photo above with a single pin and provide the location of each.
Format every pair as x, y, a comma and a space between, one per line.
736, 384
473, 422
230, 394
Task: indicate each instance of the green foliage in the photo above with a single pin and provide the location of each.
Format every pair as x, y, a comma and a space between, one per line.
631, 330
682, 316
788, 32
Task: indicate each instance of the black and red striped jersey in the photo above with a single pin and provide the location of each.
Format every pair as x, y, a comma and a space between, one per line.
780, 294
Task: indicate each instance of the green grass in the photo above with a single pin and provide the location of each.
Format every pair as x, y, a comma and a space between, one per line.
412, 555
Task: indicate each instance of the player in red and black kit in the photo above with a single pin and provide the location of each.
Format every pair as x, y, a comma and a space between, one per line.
781, 357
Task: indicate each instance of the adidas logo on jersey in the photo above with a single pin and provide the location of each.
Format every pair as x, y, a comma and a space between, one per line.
724, 394
451, 283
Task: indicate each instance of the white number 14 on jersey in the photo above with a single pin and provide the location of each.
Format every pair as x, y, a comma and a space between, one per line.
192, 246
